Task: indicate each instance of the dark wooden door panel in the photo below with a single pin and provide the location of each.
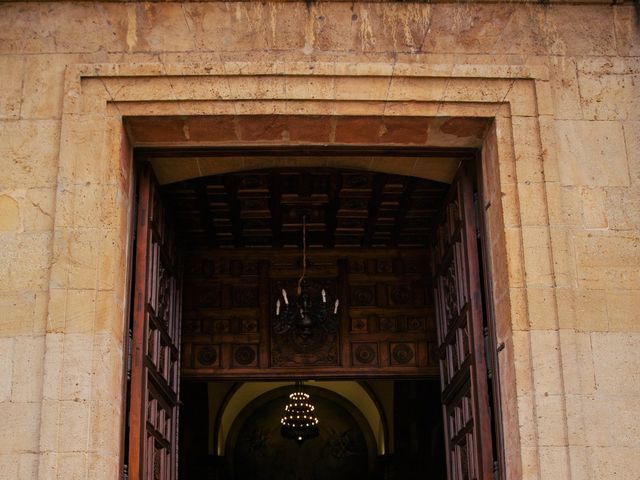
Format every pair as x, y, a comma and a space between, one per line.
459, 320
155, 373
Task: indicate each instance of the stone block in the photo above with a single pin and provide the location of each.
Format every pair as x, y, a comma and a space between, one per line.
590, 31
632, 139
10, 220
611, 420
59, 28
594, 211
577, 362
353, 88
515, 260
84, 156
28, 466
625, 21
95, 206
590, 309
537, 256
528, 150
623, 310
24, 262
74, 422
110, 315
11, 78
75, 259
505, 149
609, 97
549, 148
511, 205
19, 311
607, 260
415, 89
80, 311
28, 153
519, 309
551, 420
6, 364
542, 308
621, 463
104, 432
71, 466
565, 205
103, 466
9, 465
532, 202
546, 362
563, 256
522, 98
107, 367
616, 363
43, 84
522, 363
76, 369
37, 208
20, 424
622, 207
477, 90
554, 462
28, 369
592, 153
54, 343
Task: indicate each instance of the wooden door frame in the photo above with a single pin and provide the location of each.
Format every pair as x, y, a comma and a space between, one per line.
473, 156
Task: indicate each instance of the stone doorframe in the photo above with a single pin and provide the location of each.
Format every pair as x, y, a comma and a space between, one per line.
92, 231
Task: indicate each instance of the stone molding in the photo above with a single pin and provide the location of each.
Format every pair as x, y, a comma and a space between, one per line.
519, 166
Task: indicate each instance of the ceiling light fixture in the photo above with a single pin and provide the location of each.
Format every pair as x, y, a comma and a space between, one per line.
301, 313
299, 421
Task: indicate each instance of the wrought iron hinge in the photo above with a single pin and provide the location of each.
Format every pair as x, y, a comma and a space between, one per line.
129, 354
125, 472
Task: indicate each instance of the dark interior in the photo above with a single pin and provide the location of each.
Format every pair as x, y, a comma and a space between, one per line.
367, 238
257, 450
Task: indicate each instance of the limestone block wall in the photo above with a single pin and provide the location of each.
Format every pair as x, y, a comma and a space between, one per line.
560, 81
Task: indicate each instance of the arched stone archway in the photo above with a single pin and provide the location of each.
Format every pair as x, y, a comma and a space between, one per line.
344, 449
352, 391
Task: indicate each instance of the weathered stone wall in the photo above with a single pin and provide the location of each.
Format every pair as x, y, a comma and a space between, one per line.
561, 81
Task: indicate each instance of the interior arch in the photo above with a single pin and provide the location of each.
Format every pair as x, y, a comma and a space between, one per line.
351, 391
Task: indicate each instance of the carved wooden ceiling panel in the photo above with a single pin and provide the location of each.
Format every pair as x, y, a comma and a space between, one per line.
342, 209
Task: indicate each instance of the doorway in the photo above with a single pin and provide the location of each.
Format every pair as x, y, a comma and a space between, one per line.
392, 431
381, 244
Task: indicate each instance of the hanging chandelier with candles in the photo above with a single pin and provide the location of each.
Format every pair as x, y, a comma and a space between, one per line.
299, 421
302, 312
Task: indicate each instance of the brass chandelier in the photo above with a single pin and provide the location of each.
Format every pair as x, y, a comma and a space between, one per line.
299, 421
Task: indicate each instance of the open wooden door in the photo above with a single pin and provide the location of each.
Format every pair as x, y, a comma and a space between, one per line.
155, 342
463, 369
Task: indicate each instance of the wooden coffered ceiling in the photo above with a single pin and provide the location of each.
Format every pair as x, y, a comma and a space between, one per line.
342, 208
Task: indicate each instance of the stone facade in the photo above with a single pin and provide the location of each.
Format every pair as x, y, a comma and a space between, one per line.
559, 83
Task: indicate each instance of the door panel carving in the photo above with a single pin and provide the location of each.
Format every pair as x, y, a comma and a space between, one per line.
155, 374
459, 317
